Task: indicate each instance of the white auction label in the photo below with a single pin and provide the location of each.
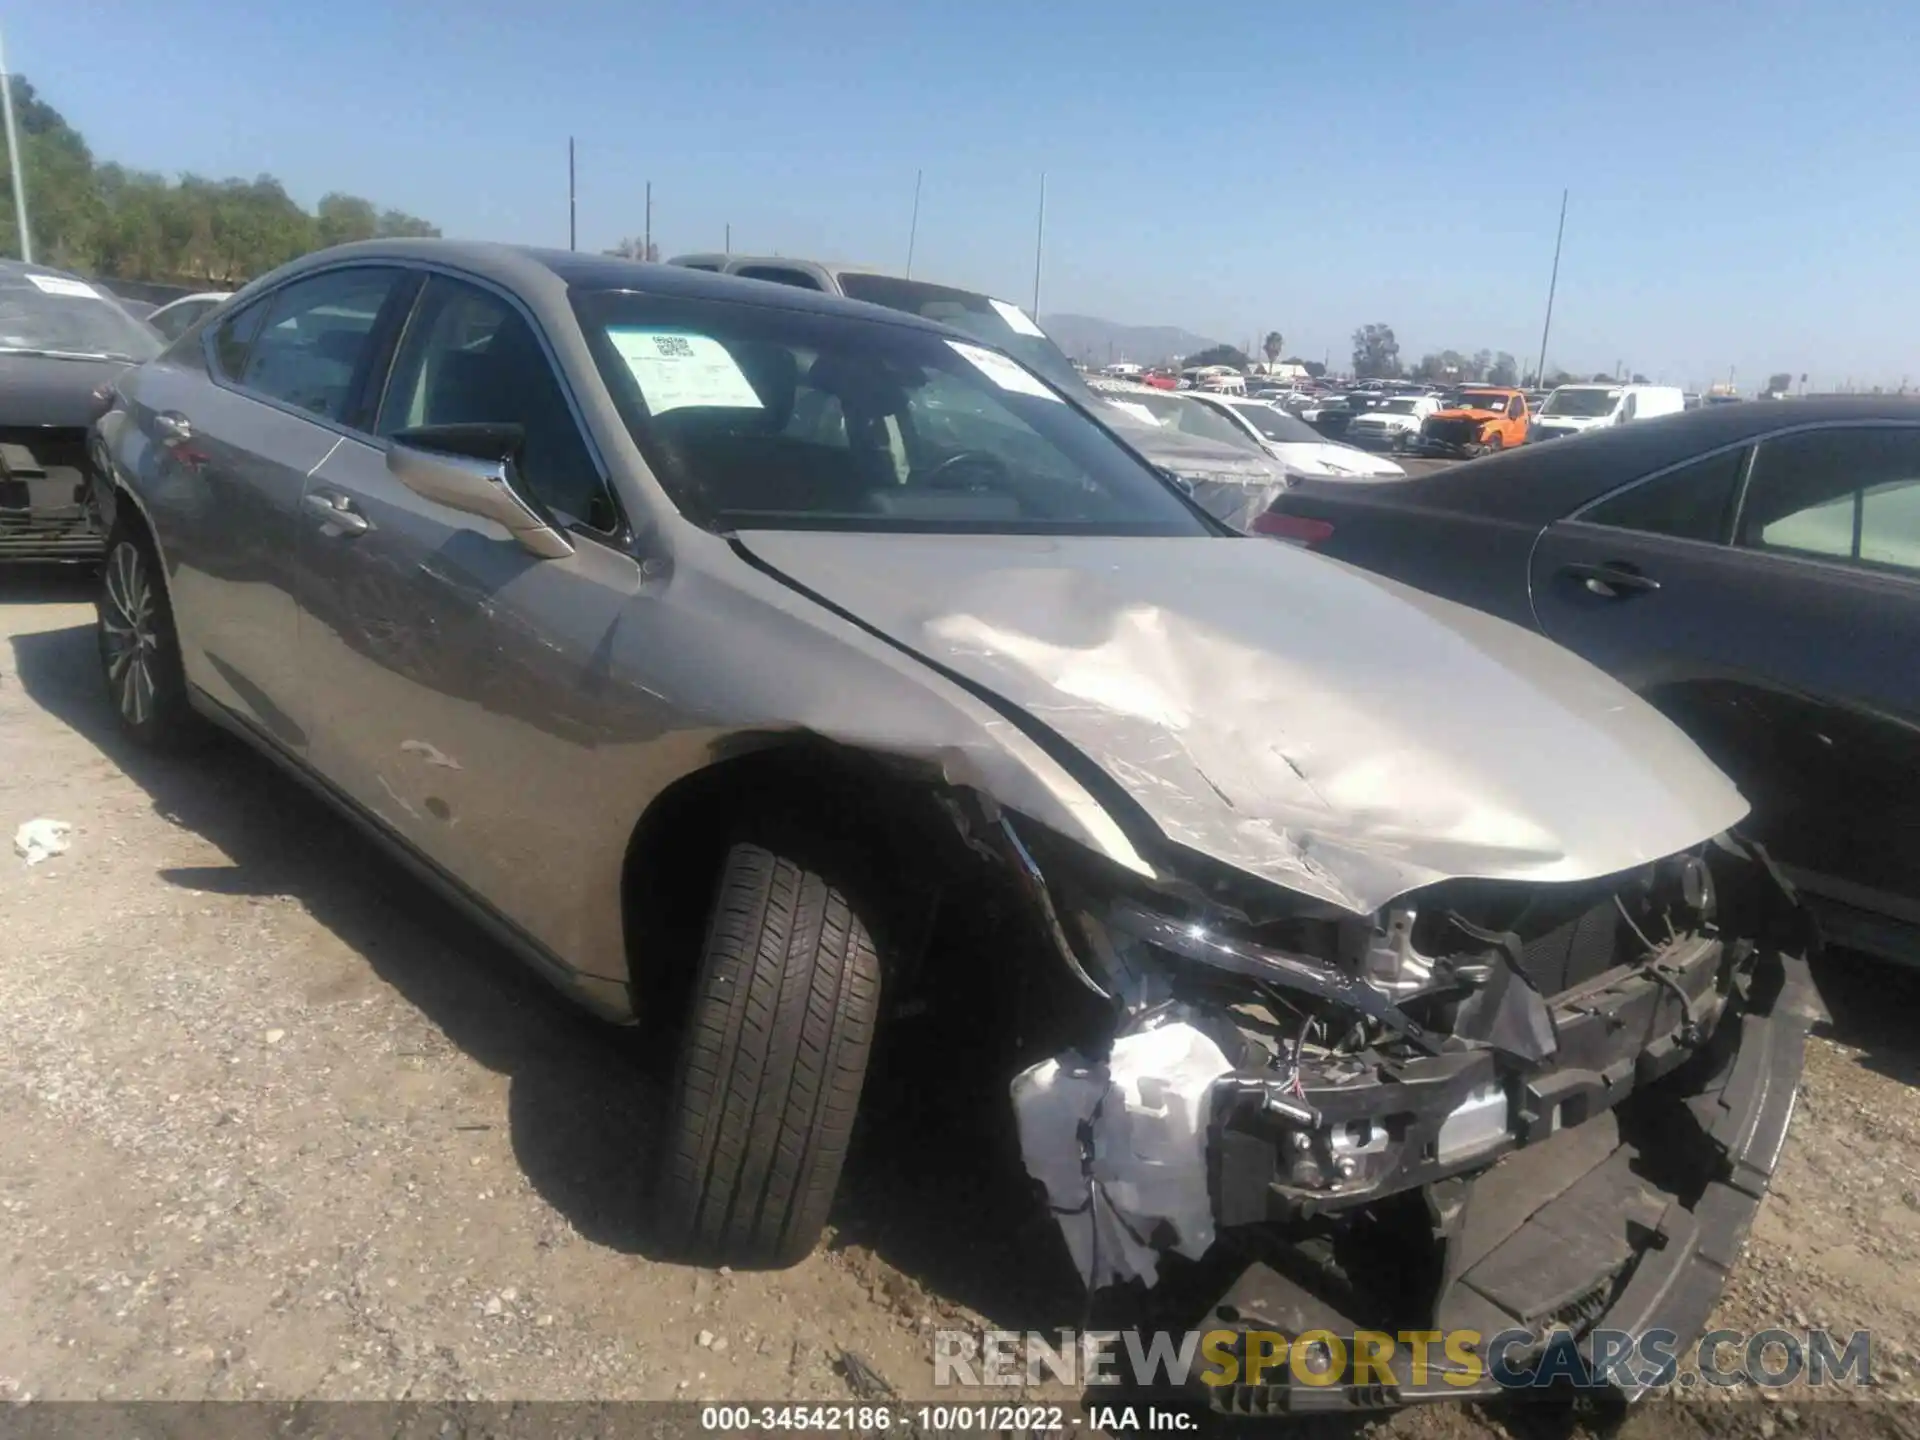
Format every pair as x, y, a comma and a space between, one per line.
1017, 318
61, 285
1005, 373
676, 369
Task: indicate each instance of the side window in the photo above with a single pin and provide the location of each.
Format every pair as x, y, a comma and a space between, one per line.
1516, 407
232, 338
1629, 407
317, 340
1850, 495
1694, 502
779, 274
470, 358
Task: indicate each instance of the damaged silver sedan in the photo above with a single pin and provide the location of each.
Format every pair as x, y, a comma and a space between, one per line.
761, 666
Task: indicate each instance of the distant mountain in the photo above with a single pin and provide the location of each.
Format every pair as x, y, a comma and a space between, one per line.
1101, 342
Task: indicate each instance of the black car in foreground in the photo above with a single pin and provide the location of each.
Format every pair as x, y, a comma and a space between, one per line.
61, 338
1753, 570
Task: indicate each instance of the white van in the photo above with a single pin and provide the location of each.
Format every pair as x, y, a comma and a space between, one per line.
1572, 409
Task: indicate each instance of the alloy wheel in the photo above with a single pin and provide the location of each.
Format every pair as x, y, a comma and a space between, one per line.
127, 632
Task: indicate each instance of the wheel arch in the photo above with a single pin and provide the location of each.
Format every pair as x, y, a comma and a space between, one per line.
879, 817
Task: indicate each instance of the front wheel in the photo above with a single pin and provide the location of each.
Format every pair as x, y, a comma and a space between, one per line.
770, 1066
1491, 445
139, 649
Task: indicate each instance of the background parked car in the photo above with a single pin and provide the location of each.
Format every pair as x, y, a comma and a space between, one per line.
1394, 425
1293, 442
1575, 409
1475, 420
1753, 570
61, 338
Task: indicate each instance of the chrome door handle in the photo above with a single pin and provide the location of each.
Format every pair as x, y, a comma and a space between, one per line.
172, 425
338, 512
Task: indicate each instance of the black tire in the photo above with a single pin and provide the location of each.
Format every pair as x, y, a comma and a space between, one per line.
770, 1065
139, 650
1492, 445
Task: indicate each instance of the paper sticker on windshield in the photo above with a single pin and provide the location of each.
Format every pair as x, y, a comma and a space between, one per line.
1017, 318
676, 369
61, 285
1135, 409
1002, 371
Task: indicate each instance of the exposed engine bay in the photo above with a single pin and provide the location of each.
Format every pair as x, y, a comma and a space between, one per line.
1479, 1107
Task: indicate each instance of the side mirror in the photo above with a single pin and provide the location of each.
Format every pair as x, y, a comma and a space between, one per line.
469, 468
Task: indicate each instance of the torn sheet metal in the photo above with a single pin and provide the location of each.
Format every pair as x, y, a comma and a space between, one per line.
1121, 1148
1327, 729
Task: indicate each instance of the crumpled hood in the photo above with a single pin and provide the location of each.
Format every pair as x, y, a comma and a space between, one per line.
1468, 415
1327, 729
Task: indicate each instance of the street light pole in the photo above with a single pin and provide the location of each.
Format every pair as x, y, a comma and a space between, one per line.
913, 227
572, 208
13, 162
1540, 370
1039, 242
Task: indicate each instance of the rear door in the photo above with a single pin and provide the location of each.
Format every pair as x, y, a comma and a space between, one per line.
229, 473
1768, 600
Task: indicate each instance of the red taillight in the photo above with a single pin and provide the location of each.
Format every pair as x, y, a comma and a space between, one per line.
1294, 529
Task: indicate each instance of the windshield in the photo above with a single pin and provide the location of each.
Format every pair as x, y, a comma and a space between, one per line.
1003, 325
1583, 403
755, 417
1475, 400
1191, 417
1278, 426
68, 317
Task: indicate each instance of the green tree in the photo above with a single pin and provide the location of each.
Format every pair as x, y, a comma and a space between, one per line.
1505, 370
1314, 368
1272, 346
1217, 355
1376, 353
106, 220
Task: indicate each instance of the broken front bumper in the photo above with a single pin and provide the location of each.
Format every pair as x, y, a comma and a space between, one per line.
1582, 1233
46, 499
1605, 1184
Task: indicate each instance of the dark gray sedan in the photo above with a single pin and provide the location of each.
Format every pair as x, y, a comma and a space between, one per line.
1753, 570
745, 657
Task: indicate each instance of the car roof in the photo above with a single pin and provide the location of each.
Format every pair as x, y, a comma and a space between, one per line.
1538, 484
547, 274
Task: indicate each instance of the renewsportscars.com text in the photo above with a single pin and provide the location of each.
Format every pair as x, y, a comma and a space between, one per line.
1653, 1359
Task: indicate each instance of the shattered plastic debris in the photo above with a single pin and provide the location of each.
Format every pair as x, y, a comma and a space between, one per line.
39, 840
1122, 1148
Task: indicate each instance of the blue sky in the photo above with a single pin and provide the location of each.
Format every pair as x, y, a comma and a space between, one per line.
1743, 175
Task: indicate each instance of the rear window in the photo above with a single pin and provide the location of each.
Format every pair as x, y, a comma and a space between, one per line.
47, 313
757, 417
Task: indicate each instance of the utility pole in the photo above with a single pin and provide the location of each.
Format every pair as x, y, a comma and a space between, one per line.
13, 163
913, 227
1039, 243
1540, 371
646, 252
572, 204
729, 249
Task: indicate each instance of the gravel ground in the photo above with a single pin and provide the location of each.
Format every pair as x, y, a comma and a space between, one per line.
275, 1123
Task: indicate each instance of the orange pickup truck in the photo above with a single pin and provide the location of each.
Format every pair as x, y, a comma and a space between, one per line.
1476, 421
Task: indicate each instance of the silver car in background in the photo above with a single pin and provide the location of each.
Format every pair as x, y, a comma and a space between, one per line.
746, 658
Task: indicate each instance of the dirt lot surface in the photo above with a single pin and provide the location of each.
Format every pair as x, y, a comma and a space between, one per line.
276, 1123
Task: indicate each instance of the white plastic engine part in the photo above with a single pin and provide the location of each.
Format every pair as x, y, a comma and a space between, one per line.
1122, 1148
